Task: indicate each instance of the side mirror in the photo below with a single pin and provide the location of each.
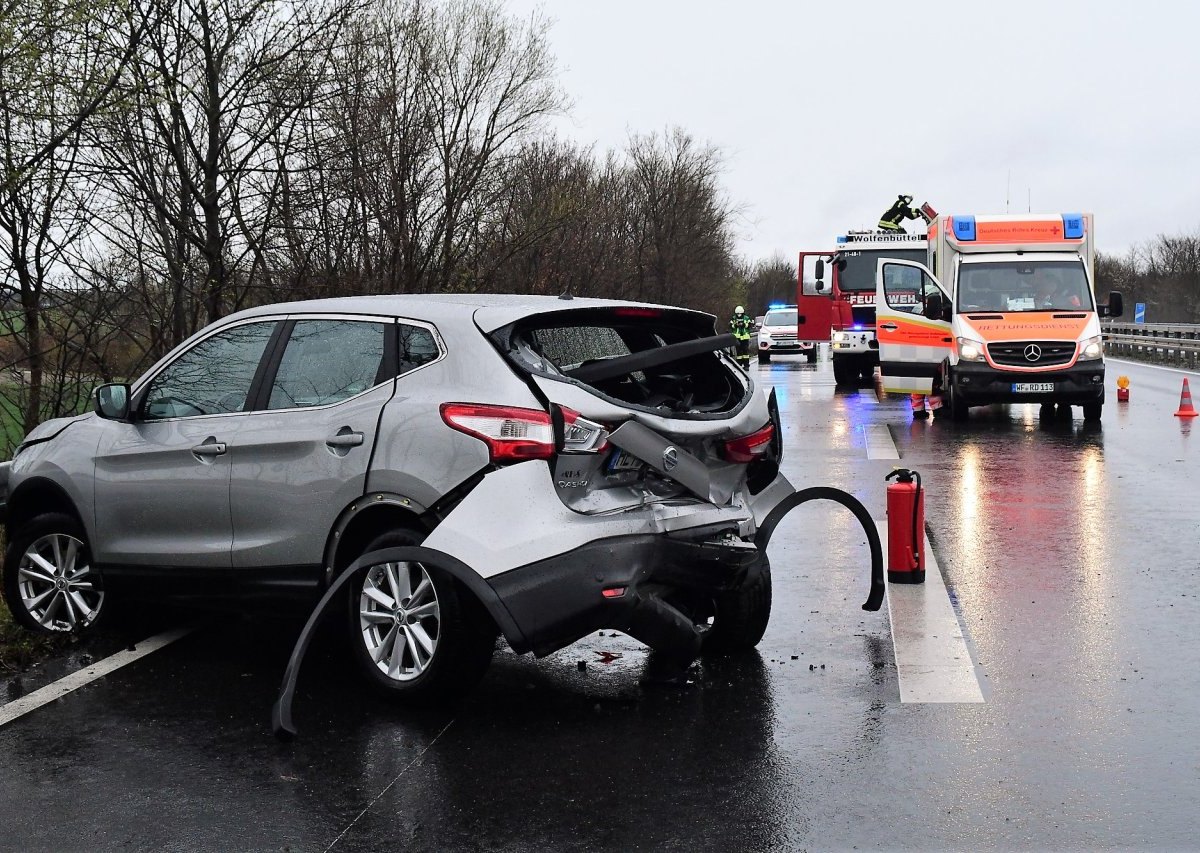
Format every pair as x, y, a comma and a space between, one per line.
111, 402
1115, 306
820, 273
947, 312
933, 306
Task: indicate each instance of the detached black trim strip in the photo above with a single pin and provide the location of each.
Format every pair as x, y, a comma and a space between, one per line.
650, 358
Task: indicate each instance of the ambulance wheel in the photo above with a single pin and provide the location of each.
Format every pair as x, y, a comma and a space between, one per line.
954, 402
1091, 411
764, 357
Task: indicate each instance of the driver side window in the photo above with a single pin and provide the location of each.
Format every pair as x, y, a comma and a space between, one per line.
211, 378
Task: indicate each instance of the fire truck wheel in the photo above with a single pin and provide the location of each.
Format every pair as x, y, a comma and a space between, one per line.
844, 372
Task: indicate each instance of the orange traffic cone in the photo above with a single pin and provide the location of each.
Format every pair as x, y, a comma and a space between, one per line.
1186, 409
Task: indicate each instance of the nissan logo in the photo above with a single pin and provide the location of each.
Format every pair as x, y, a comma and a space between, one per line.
1033, 352
670, 458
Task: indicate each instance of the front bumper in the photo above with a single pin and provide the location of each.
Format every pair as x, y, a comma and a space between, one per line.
853, 343
562, 599
980, 384
784, 348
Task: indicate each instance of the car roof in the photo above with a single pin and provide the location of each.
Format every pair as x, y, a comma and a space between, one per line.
490, 310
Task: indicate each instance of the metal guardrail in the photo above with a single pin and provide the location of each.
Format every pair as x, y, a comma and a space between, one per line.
1159, 342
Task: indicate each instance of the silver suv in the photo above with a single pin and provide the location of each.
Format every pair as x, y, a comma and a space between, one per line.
587, 464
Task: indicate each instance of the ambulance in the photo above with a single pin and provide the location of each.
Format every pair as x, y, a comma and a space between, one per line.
1004, 311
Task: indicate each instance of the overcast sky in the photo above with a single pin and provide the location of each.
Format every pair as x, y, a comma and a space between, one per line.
826, 111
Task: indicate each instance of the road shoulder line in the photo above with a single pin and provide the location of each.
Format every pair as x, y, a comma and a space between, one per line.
933, 660
57, 689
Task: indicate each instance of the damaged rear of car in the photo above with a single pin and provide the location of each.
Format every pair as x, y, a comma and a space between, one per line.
661, 457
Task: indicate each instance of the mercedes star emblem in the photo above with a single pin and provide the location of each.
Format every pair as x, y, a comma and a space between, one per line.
1033, 352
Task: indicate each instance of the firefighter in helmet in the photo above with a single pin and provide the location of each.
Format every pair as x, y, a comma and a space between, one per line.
741, 326
897, 213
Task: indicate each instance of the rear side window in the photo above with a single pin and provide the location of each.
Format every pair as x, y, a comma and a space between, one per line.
417, 347
327, 361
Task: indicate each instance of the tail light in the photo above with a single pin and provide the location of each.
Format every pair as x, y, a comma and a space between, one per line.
511, 434
581, 435
749, 447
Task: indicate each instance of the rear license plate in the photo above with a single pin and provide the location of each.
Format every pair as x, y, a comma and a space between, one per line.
622, 461
1033, 387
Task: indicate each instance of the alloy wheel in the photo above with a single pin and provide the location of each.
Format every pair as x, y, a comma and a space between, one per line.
57, 585
400, 619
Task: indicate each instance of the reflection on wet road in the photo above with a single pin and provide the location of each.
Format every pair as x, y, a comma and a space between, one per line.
1068, 550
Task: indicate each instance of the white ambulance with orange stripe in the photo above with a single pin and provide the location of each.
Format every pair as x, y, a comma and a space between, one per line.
1008, 314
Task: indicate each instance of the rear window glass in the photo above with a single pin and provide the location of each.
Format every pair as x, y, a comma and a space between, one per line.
571, 346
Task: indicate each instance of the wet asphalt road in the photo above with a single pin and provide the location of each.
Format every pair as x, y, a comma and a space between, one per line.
1070, 552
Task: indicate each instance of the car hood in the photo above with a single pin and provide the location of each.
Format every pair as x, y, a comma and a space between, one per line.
51, 428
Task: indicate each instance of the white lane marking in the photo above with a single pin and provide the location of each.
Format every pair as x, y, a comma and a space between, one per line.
58, 689
879, 442
932, 657
1155, 366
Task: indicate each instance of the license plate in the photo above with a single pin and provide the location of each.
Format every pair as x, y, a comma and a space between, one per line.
1033, 387
622, 461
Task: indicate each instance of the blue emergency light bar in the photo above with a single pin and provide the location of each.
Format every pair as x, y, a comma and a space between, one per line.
842, 238
964, 227
1072, 226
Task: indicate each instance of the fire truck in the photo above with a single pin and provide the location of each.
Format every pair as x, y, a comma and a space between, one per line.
835, 297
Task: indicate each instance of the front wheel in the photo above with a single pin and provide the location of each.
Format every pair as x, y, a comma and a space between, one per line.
415, 633
764, 357
845, 371
50, 584
811, 355
957, 406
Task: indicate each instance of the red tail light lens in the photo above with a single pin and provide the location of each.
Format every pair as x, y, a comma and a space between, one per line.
749, 447
511, 434
581, 435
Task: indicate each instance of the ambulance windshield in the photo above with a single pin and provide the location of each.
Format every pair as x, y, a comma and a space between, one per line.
1024, 286
859, 270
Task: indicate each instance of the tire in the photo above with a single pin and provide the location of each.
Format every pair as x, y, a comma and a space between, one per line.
867, 373
811, 355
435, 657
741, 616
954, 403
764, 357
845, 371
1092, 411
49, 583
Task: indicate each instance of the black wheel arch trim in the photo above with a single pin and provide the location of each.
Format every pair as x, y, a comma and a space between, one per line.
281, 713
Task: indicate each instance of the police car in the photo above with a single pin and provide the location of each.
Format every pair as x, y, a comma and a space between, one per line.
777, 335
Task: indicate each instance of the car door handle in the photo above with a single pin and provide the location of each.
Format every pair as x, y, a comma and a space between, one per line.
345, 439
209, 448
891, 327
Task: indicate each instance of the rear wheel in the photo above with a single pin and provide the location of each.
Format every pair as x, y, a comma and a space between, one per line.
1092, 411
415, 633
50, 584
741, 616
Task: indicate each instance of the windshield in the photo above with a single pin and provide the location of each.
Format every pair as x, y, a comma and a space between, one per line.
858, 272
1024, 286
781, 318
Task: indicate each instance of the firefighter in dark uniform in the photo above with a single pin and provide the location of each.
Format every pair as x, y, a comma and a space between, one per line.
741, 326
897, 213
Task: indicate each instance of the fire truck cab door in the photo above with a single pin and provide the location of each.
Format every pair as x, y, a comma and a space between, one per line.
912, 325
814, 301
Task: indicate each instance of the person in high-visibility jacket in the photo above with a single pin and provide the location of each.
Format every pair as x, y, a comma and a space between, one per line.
897, 213
741, 326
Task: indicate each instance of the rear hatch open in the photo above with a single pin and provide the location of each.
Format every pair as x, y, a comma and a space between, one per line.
656, 379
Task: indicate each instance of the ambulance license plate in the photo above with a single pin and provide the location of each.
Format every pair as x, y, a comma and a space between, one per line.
1033, 387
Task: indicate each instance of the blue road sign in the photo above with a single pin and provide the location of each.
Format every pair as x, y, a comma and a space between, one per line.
1139, 312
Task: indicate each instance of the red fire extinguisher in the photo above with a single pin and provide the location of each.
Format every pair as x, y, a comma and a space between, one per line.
906, 527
